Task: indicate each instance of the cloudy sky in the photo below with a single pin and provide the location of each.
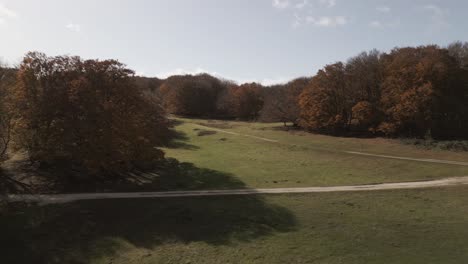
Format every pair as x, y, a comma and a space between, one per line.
244, 40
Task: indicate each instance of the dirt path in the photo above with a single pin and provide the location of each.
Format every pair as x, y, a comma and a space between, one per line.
460, 163
66, 198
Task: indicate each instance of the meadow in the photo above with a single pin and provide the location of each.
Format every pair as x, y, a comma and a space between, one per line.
404, 226
264, 155
398, 226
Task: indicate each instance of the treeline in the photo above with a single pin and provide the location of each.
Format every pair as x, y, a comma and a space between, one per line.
408, 92
206, 96
98, 117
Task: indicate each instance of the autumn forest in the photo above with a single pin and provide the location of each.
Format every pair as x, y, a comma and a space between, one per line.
408, 92
97, 115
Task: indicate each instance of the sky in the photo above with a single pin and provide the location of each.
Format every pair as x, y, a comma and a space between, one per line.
268, 41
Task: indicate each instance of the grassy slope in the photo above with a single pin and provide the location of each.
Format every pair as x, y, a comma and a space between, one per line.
303, 159
404, 226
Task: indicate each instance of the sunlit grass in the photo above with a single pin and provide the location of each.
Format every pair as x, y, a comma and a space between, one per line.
304, 159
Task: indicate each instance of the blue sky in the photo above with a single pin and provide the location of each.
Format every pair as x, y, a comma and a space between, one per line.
245, 40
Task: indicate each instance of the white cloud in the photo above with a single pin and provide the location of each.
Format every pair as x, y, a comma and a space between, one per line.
302, 4
380, 25
297, 22
269, 82
74, 27
281, 4
376, 24
6, 12
328, 3
327, 21
437, 10
438, 17
384, 9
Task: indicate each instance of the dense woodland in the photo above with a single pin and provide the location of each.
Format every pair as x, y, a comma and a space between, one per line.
99, 116
408, 92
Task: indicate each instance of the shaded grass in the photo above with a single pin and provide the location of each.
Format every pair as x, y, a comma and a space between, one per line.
89, 231
170, 174
401, 226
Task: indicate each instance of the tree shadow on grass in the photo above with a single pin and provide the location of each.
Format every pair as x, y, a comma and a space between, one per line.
81, 232
179, 139
168, 175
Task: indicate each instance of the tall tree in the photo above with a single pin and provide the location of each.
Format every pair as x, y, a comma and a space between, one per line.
363, 81
7, 80
325, 103
247, 101
86, 112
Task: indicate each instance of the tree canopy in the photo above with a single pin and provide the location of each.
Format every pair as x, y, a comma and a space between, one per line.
87, 112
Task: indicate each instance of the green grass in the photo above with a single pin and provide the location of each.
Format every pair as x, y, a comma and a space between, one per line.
301, 159
402, 226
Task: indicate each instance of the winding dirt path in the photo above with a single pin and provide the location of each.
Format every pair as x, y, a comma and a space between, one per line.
459, 163
66, 198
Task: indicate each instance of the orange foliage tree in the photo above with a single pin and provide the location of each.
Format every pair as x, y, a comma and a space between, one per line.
88, 113
247, 101
411, 92
325, 104
422, 93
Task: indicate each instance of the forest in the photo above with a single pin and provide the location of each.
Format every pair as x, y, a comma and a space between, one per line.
408, 92
97, 116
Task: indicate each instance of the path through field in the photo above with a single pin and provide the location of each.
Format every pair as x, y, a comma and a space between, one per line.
460, 163
66, 198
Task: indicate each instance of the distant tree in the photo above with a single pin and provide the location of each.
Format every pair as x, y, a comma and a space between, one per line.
459, 50
281, 102
363, 85
272, 97
325, 103
7, 80
247, 101
86, 112
191, 95
148, 84
225, 103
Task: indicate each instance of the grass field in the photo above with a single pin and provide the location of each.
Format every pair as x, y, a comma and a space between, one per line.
405, 226
400, 226
299, 158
